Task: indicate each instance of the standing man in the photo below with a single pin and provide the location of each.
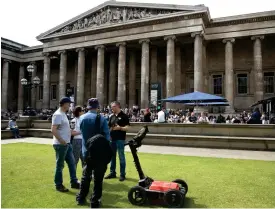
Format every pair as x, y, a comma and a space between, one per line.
63, 149
96, 152
118, 124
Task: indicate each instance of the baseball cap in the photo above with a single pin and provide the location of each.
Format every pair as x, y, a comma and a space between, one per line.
93, 103
64, 100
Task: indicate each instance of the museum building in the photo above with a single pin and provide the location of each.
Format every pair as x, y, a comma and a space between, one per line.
119, 50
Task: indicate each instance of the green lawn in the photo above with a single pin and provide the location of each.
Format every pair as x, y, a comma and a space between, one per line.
27, 180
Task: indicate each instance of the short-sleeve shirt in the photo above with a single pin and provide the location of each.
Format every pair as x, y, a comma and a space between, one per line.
77, 127
122, 120
63, 126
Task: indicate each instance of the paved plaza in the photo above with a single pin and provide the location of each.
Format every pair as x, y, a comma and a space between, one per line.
186, 151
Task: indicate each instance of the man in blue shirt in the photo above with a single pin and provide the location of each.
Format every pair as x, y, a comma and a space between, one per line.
87, 124
89, 127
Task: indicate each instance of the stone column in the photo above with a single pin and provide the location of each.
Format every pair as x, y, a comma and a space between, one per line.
132, 79
170, 69
46, 81
33, 91
205, 69
62, 73
144, 89
258, 68
20, 100
112, 78
178, 78
229, 74
154, 65
93, 77
5, 80
100, 74
80, 76
198, 68
121, 84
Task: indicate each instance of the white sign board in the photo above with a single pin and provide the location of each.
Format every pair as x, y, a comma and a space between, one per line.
154, 97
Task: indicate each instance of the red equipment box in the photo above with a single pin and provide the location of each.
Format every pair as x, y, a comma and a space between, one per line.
163, 186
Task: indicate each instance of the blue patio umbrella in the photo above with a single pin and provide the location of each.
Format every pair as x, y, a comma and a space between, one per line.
208, 104
195, 97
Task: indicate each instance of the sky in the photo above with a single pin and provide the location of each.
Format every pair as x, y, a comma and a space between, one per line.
23, 20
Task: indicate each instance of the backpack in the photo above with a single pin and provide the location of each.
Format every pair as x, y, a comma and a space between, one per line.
99, 151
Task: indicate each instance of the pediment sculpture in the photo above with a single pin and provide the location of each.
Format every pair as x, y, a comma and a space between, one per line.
114, 15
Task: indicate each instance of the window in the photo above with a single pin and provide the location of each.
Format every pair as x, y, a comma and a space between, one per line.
40, 93
217, 84
242, 83
269, 82
53, 92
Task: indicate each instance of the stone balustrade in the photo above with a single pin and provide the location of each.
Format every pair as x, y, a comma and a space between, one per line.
229, 136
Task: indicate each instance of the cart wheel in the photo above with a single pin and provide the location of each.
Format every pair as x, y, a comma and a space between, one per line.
174, 198
137, 195
183, 185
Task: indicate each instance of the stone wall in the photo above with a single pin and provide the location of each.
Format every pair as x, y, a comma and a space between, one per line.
241, 130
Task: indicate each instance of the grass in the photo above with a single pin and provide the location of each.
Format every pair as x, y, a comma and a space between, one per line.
27, 180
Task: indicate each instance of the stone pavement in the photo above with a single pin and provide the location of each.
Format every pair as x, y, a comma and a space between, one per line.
186, 151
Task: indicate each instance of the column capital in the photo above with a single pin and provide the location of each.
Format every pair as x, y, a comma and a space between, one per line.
7, 60
99, 47
62, 52
80, 49
121, 44
253, 38
172, 37
144, 41
22, 64
232, 40
199, 33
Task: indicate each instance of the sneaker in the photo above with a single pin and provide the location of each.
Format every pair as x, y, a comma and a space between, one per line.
61, 188
122, 178
110, 176
75, 185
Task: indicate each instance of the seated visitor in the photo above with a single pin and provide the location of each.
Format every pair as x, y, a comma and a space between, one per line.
193, 118
203, 118
161, 116
14, 128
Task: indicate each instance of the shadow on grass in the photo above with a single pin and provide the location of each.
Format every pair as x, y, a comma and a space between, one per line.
117, 192
190, 203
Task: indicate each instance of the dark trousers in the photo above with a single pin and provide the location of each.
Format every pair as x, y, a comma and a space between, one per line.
15, 132
99, 173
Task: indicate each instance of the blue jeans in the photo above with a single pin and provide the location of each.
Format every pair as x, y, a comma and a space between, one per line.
15, 132
64, 153
118, 146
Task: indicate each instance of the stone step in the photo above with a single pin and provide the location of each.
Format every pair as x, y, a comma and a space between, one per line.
224, 142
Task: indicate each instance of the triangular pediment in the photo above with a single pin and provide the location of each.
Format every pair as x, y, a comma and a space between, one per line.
113, 12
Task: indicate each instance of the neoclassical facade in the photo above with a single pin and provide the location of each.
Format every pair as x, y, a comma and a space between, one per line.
117, 50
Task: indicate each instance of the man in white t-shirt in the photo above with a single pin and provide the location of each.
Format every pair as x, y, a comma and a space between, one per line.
161, 116
63, 149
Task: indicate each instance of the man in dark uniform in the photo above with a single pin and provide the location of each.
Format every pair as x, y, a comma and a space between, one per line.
97, 153
118, 124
